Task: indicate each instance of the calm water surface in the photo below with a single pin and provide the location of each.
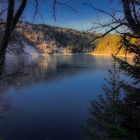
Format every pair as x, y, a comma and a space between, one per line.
51, 100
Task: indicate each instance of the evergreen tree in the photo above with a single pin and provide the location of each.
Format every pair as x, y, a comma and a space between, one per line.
104, 122
125, 124
131, 107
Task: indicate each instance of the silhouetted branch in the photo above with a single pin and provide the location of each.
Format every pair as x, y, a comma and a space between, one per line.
1, 13
18, 72
55, 2
36, 9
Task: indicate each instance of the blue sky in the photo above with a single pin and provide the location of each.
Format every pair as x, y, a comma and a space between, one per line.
65, 17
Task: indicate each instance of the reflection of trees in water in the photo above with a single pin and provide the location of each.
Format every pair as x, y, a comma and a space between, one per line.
21, 73
116, 115
5, 104
43, 69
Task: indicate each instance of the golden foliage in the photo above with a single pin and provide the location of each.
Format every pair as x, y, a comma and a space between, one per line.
108, 45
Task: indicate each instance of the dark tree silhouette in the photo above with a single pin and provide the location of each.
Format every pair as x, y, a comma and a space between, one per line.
104, 122
127, 124
11, 22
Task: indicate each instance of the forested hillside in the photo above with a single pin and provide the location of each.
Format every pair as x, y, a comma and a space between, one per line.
108, 45
50, 39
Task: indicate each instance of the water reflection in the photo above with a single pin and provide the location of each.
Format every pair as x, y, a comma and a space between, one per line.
50, 101
48, 68
4, 105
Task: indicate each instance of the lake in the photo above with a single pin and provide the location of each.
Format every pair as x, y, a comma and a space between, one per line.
50, 96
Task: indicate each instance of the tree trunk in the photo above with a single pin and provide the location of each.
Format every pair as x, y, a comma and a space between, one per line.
131, 16
11, 22
7, 34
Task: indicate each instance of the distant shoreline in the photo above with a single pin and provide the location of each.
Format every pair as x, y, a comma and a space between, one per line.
128, 55
93, 54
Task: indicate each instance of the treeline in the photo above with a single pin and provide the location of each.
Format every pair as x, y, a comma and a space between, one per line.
51, 39
110, 44
56, 38
66, 40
